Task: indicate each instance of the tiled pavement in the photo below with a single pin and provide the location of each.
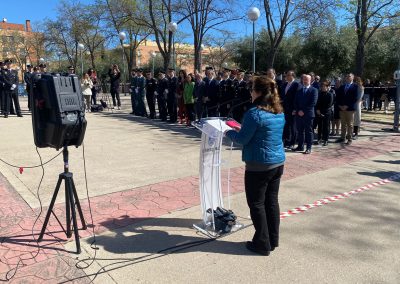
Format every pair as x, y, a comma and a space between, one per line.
53, 264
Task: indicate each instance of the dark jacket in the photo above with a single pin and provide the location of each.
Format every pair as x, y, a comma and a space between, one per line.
306, 101
151, 86
199, 91
211, 91
261, 137
162, 86
325, 102
288, 97
114, 79
10, 77
348, 98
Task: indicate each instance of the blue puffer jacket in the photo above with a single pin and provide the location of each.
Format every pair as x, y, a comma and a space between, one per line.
261, 137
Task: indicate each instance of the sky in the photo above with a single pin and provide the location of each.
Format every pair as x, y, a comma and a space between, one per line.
17, 11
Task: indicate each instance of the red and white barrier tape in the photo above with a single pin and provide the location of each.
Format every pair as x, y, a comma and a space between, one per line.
336, 197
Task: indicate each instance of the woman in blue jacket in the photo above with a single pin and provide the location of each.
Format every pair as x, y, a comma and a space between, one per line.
264, 155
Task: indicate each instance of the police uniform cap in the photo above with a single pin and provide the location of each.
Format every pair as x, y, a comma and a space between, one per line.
209, 68
134, 70
42, 65
227, 69
161, 72
70, 67
29, 66
171, 69
8, 61
239, 70
140, 70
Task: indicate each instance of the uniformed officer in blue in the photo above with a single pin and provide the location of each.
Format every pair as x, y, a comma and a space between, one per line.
10, 79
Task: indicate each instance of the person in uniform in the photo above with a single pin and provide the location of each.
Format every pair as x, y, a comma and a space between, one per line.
171, 96
243, 96
140, 108
71, 70
162, 95
1, 88
10, 77
151, 91
28, 82
133, 89
43, 68
225, 98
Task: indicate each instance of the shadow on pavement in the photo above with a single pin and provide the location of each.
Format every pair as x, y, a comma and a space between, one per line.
163, 235
397, 162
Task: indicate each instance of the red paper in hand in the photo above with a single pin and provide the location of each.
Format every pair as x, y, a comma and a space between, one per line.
21, 170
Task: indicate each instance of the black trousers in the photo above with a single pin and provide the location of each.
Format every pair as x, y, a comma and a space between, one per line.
172, 108
289, 131
162, 107
324, 126
262, 198
115, 95
15, 99
190, 112
6, 102
305, 131
151, 102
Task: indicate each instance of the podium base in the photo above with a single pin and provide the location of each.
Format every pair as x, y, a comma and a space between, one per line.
209, 230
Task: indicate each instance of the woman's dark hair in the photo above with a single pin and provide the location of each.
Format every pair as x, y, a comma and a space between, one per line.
182, 71
326, 83
269, 99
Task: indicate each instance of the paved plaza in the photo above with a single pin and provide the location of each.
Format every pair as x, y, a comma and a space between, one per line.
339, 222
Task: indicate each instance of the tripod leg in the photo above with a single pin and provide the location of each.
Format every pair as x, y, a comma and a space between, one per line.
78, 205
68, 207
53, 200
74, 222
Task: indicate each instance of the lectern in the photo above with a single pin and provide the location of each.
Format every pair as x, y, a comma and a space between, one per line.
212, 130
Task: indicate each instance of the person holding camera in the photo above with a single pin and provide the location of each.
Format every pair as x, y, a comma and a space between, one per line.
115, 76
264, 155
87, 86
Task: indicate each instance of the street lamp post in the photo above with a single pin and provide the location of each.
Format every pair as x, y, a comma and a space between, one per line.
253, 14
122, 37
153, 56
173, 27
397, 101
81, 47
59, 59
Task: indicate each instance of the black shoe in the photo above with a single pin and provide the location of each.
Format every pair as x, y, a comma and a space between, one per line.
325, 143
19, 115
308, 151
340, 140
251, 247
349, 142
298, 149
317, 142
6, 116
132, 113
355, 137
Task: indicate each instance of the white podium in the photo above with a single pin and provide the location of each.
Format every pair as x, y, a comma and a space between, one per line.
212, 129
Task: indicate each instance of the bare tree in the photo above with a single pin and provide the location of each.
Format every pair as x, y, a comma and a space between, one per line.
281, 14
220, 49
369, 16
127, 16
206, 15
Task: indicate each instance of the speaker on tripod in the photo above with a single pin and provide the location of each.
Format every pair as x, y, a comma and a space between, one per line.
58, 120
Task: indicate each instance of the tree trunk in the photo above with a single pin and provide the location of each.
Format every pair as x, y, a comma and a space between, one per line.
360, 58
197, 58
92, 59
271, 57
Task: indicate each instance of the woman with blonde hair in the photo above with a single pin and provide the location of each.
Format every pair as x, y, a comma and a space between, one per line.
264, 156
87, 86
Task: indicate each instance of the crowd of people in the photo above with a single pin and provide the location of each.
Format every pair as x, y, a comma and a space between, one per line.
314, 111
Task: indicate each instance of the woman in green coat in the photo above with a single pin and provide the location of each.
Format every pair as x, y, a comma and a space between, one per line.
188, 98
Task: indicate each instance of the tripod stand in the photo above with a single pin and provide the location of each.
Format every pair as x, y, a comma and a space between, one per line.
71, 200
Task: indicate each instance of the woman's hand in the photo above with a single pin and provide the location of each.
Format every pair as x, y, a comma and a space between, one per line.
236, 128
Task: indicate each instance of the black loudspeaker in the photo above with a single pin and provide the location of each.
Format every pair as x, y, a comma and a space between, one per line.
58, 111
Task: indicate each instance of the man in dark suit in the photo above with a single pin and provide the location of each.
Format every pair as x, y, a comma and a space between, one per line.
1, 88
151, 90
28, 82
162, 94
304, 104
346, 97
211, 94
288, 91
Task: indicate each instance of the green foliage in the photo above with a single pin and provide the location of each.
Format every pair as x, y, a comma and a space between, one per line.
327, 52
